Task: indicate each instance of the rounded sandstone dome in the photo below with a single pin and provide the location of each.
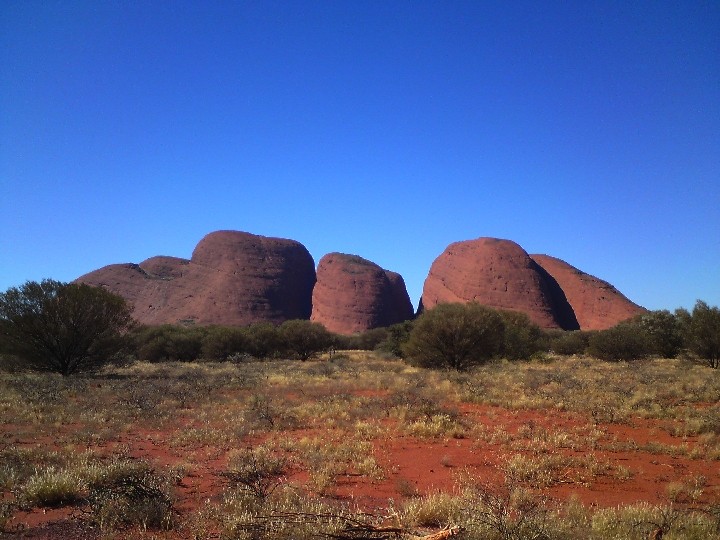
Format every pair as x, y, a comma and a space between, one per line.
493, 272
353, 294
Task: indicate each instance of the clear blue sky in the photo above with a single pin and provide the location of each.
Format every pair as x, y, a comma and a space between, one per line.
585, 130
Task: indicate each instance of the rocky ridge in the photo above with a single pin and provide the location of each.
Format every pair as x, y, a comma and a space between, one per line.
238, 278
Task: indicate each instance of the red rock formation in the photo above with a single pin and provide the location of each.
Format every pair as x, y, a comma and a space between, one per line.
164, 267
353, 294
233, 278
492, 272
597, 304
237, 278
402, 309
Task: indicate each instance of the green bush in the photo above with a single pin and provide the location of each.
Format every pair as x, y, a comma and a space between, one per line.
663, 332
265, 340
570, 342
626, 341
704, 333
521, 338
455, 336
169, 342
397, 335
222, 342
304, 339
364, 341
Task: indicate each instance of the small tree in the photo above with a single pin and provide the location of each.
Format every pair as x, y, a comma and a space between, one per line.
704, 333
398, 334
65, 328
455, 336
304, 338
370, 339
663, 331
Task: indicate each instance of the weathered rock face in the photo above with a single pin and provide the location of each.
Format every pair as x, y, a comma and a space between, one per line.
493, 272
353, 294
238, 278
233, 278
402, 306
597, 304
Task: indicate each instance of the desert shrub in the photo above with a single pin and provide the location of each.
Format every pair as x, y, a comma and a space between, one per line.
397, 336
18, 465
434, 510
289, 515
265, 412
304, 339
438, 425
364, 341
641, 521
10, 363
222, 342
131, 494
569, 343
6, 512
455, 336
258, 471
169, 342
506, 512
663, 332
265, 340
626, 341
326, 459
60, 327
704, 333
521, 338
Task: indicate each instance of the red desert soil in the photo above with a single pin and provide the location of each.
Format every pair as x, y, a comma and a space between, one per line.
431, 465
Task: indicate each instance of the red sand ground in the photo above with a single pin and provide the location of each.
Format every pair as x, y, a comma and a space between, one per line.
428, 465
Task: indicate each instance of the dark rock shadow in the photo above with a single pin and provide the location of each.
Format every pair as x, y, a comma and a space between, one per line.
564, 313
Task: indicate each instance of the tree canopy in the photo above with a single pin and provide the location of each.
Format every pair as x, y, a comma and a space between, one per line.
60, 327
704, 333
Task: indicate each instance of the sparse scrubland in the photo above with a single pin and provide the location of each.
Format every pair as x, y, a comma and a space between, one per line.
557, 447
289, 436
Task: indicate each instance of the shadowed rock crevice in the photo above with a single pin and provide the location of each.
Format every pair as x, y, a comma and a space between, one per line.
596, 303
564, 314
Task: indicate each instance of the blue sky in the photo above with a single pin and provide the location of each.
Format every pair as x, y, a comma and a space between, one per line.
585, 130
